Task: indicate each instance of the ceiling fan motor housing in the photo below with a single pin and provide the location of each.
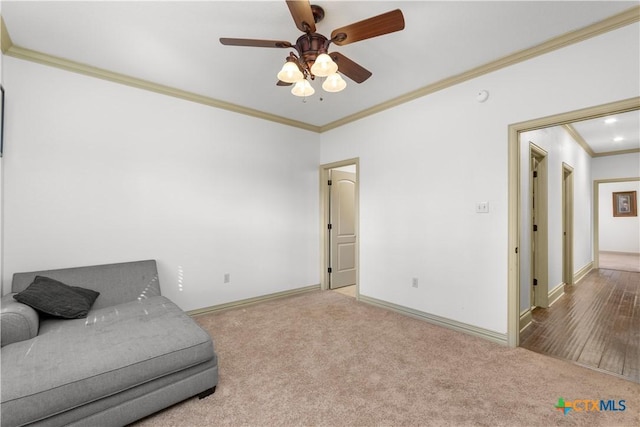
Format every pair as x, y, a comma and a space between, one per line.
309, 46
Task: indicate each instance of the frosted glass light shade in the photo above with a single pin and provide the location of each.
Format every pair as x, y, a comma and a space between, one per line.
324, 66
303, 88
290, 73
334, 83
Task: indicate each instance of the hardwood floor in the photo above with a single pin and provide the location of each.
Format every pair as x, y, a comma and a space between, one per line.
596, 323
619, 261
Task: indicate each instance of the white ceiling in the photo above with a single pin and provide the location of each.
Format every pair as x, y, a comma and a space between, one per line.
617, 132
176, 44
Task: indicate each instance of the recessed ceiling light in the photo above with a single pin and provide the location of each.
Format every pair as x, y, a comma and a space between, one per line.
618, 139
610, 120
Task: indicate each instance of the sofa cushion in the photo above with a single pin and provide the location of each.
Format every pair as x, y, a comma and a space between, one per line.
57, 299
74, 362
18, 321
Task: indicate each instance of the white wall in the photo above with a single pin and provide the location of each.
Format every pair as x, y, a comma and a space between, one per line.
1, 175
424, 165
617, 234
560, 148
97, 172
614, 167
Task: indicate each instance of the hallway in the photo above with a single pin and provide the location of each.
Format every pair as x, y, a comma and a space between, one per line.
619, 261
596, 323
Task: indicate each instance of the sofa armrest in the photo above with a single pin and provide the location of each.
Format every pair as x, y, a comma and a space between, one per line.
18, 322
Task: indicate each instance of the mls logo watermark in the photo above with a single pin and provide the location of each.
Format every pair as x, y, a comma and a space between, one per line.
591, 405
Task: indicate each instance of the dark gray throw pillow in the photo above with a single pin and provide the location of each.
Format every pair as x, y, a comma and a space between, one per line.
57, 299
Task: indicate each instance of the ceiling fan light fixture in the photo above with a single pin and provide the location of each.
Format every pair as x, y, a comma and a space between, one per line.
290, 73
312, 59
303, 88
324, 66
334, 83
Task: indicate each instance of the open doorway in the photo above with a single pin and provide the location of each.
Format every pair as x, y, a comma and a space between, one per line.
517, 261
339, 204
590, 320
616, 242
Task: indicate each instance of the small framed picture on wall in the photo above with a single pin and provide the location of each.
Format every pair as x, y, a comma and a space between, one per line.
625, 203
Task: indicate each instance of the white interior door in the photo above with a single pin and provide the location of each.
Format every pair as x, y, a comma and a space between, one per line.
342, 232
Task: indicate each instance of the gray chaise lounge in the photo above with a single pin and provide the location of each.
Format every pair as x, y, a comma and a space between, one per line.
134, 354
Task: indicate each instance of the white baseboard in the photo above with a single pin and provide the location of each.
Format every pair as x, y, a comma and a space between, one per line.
440, 321
620, 253
579, 275
556, 293
431, 318
525, 319
251, 301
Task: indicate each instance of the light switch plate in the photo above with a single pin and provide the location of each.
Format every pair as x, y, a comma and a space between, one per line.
482, 207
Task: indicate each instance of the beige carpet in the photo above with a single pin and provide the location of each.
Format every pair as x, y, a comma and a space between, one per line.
324, 359
619, 261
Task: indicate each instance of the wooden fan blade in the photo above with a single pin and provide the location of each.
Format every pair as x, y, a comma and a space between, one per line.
281, 83
302, 15
254, 43
355, 72
373, 27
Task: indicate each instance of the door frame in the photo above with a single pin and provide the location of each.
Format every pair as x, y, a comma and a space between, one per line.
514, 214
567, 224
324, 220
596, 213
539, 258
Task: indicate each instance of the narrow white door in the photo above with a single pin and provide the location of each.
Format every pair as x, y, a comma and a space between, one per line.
342, 229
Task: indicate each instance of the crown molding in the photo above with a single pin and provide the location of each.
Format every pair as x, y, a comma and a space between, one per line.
615, 107
5, 39
9, 49
573, 132
586, 147
615, 153
76, 67
620, 20
625, 18
596, 182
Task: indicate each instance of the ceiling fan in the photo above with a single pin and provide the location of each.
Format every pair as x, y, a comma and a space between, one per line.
312, 58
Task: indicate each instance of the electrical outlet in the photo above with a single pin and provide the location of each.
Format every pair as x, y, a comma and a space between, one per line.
227, 277
414, 282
